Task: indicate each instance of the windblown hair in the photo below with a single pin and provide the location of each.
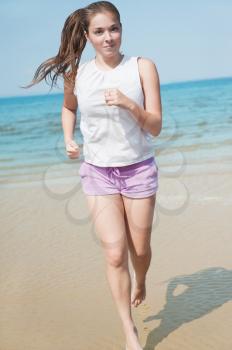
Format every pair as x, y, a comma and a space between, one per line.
73, 42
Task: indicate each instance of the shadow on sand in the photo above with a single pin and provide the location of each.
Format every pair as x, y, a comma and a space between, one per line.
204, 292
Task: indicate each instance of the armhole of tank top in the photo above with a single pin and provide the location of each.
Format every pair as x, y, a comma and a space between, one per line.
140, 79
75, 84
75, 87
80, 67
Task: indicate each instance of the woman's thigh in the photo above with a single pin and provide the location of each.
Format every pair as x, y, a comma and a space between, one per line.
139, 213
107, 214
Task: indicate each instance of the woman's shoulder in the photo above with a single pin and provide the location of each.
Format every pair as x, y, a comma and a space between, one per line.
147, 68
145, 61
83, 63
83, 67
146, 64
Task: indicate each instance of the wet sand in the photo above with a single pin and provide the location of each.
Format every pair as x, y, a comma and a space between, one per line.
54, 293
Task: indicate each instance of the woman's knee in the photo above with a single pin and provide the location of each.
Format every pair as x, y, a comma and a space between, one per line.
116, 257
142, 252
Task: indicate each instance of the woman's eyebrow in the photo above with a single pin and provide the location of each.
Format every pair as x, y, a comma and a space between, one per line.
103, 28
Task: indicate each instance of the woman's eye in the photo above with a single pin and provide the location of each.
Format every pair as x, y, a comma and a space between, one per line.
100, 31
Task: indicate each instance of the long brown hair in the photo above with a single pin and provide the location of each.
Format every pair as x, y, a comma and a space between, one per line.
73, 42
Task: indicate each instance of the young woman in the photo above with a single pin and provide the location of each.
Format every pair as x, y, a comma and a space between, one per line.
119, 100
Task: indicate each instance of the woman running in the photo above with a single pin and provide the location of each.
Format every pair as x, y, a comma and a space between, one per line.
119, 100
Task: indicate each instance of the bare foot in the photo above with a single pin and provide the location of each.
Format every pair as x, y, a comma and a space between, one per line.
138, 292
132, 340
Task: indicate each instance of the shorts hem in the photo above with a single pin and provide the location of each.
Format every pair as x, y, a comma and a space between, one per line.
100, 194
135, 195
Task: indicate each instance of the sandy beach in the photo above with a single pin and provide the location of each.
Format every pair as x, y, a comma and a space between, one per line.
54, 293
146, 79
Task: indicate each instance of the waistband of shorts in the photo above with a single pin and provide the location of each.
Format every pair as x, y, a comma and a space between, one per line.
135, 165
125, 167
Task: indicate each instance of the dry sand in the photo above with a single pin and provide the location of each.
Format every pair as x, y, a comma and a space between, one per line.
54, 293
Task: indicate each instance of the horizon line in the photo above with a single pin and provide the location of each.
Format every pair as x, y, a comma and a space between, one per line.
161, 84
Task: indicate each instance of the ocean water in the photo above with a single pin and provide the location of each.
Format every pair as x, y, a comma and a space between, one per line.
196, 132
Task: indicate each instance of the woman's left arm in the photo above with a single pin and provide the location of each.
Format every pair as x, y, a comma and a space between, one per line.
150, 117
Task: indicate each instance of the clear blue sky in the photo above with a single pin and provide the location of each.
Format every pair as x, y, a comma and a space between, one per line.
187, 40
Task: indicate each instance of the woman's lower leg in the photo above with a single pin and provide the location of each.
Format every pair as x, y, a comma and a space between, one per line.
120, 284
141, 265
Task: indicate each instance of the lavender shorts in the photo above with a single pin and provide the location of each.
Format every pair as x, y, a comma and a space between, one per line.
136, 180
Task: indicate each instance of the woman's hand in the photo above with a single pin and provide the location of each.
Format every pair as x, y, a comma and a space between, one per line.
72, 149
117, 98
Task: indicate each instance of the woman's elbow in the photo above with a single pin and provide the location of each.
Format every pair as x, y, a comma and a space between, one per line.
157, 126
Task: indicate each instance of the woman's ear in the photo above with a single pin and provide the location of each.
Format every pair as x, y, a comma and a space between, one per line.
86, 35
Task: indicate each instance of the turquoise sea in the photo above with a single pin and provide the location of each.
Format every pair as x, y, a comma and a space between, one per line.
196, 133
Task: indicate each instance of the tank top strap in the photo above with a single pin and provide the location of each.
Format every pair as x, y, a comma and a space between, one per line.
82, 68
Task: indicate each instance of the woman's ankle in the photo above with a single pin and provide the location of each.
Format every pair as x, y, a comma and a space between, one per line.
129, 326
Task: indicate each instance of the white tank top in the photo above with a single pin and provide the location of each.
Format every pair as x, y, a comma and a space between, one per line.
111, 135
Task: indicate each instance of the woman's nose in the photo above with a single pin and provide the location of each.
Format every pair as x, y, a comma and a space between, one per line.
107, 36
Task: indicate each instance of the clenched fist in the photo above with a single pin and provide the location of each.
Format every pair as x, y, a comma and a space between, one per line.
72, 149
116, 97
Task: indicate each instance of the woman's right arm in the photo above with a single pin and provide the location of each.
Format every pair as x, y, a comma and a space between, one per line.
68, 117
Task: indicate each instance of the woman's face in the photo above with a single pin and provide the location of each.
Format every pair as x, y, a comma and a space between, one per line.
105, 34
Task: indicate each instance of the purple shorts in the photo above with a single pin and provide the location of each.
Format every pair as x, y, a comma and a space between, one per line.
136, 180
